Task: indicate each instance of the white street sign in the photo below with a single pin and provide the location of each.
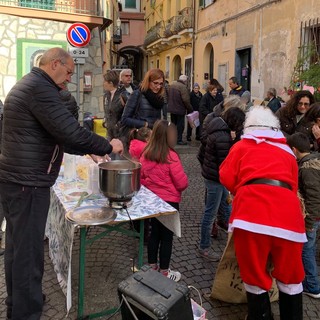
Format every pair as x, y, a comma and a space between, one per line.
79, 60
79, 52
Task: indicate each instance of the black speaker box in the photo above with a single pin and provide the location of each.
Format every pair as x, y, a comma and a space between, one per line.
151, 295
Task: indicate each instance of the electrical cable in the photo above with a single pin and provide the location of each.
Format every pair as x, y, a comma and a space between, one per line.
113, 314
133, 228
192, 287
129, 307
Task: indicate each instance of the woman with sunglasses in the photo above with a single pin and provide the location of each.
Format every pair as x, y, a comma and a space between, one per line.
292, 116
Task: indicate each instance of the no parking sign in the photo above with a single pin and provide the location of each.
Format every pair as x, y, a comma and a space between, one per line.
78, 35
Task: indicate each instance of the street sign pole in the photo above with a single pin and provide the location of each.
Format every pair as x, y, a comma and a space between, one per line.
78, 94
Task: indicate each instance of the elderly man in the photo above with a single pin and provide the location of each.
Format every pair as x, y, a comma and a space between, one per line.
179, 104
274, 103
126, 76
36, 127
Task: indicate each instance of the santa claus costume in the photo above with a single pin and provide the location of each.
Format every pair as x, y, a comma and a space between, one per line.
262, 173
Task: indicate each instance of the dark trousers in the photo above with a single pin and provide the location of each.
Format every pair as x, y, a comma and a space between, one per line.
189, 132
25, 210
179, 121
160, 241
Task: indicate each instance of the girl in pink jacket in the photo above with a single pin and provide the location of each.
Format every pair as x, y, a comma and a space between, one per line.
138, 140
163, 174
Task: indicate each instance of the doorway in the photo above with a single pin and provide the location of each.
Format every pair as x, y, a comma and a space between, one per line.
176, 67
243, 67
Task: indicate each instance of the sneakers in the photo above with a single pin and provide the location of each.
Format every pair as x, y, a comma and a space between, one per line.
312, 295
209, 255
173, 275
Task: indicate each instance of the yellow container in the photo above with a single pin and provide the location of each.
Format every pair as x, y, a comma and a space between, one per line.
98, 127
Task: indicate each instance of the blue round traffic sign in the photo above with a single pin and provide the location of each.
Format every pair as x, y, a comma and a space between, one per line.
78, 35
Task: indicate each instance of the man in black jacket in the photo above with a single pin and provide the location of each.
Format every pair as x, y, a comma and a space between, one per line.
36, 127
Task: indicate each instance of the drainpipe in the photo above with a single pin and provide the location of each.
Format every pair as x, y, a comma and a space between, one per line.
193, 42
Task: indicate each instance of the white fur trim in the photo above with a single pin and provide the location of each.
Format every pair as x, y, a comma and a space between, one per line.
291, 289
253, 289
268, 230
262, 136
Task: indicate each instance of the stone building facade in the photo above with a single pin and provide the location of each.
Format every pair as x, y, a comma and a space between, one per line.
24, 35
257, 41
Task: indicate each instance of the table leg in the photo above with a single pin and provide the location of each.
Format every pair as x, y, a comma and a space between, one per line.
82, 256
141, 244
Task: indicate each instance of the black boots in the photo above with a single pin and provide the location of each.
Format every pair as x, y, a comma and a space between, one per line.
290, 306
259, 307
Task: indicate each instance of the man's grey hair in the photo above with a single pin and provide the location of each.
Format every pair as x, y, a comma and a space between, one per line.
273, 92
125, 71
54, 54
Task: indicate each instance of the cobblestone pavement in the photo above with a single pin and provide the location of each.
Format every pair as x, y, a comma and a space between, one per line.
109, 261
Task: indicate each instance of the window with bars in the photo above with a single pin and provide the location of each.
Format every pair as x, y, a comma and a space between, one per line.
205, 3
310, 43
38, 4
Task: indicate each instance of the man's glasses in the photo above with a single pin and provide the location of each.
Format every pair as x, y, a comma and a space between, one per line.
158, 84
128, 75
69, 71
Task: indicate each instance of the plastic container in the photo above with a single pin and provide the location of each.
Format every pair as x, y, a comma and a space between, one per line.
93, 178
70, 172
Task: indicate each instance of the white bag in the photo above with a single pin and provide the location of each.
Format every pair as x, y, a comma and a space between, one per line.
193, 119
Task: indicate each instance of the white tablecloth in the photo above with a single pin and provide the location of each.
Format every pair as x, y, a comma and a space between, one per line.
60, 231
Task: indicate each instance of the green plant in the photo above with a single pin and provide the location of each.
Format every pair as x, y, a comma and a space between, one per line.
307, 70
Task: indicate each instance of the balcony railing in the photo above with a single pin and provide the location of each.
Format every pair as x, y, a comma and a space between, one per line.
178, 23
154, 33
87, 7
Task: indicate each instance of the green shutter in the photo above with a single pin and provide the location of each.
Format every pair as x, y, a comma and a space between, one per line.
38, 4
130, 4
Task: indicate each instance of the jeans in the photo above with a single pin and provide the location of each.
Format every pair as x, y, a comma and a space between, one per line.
179, 121
25, 209
216, 200
311, 282
161, 239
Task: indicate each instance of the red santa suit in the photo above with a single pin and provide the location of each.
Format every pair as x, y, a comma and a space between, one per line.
266, 220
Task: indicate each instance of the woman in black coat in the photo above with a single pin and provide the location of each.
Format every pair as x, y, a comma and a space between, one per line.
208, 102
292, 116
195, 98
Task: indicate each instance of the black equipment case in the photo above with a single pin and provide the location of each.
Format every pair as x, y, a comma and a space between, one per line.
152, 296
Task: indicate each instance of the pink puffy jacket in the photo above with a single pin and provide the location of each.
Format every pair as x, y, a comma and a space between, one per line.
136, 148
166, 180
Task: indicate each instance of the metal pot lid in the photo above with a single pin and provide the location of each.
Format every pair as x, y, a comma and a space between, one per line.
91, 215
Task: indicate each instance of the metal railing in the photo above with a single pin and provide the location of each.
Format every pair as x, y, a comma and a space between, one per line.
88, 7
153, 34
178, 23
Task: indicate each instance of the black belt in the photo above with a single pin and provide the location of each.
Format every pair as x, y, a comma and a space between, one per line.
269, 182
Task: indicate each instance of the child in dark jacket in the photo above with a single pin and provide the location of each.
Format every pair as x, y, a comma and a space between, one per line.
309, 186
163, 174
138, 139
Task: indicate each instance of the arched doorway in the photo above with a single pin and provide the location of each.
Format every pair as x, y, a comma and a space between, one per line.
208, 60
176, 67
132, 58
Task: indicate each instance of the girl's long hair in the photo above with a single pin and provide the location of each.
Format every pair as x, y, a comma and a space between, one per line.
158, 147
152, 75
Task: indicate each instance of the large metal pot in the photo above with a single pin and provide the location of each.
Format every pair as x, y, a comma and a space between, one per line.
119, 180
